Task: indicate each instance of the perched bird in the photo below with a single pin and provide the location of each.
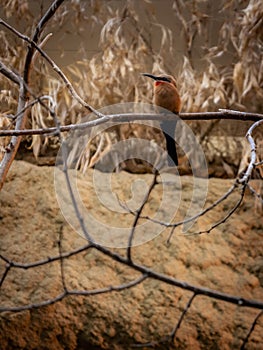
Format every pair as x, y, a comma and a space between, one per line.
166, 95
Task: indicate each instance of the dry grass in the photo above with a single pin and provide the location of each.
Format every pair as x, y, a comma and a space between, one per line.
231, 74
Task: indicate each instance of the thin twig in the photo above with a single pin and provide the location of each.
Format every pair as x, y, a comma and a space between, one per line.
48, 260
61, 260
227, 216
7, 268
255, 193
66, 293
19, 80
194, 217
55, 67
187, 307
251, 330
201, 213
253, 154
169, 339
150, 273
31, 104
10, 74
15, 140
118, 288
37, 32
180, 284
70, 189
23, 93
41, 45
138, 214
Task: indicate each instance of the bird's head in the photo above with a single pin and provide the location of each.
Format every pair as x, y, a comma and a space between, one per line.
161, 79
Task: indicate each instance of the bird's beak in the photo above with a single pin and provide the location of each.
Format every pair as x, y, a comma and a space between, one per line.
150, 76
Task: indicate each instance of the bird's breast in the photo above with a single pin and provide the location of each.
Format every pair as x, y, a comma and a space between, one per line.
167, 96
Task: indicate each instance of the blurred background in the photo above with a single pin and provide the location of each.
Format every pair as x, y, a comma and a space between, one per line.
213, 48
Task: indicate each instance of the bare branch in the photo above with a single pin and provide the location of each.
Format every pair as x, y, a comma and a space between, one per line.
187, 307
172, 281
55, 68
38, 30
22, 102
169, 338
35, 48
35, 305
15, 140
118, 288
130, 117
41, 45
49, 260
255, 193
138, 214
227, 216
253, 154
7, 268
31, 104
240, 115
66, 293
15, 78
251, 330
194, 217
61, 260
73, 199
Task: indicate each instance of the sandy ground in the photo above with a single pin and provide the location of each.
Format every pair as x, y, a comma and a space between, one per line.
229, 259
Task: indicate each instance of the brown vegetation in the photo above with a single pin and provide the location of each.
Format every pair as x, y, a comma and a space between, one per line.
208, 287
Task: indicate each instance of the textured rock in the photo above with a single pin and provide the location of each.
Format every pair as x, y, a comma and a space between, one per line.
229, 260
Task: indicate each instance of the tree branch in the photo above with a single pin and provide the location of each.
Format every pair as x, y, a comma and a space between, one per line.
23, 95
251, 330
132, 117
138, 215
147, 271
253, 153
33, 45
169, 338
15, 78
66, 293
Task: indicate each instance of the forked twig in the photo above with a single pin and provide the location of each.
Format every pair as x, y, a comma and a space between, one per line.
54, 66
227, 216
253, 152
22, 102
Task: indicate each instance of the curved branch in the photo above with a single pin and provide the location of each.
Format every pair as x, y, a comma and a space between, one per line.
22, 101
253, 153
66, 293
38, 30
66, 81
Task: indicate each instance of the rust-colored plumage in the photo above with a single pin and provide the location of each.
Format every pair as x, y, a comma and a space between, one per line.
167, 96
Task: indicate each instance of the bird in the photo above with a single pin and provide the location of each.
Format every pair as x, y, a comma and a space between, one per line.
166, 95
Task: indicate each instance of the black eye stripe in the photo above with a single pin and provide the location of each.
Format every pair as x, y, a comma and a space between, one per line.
164, 79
